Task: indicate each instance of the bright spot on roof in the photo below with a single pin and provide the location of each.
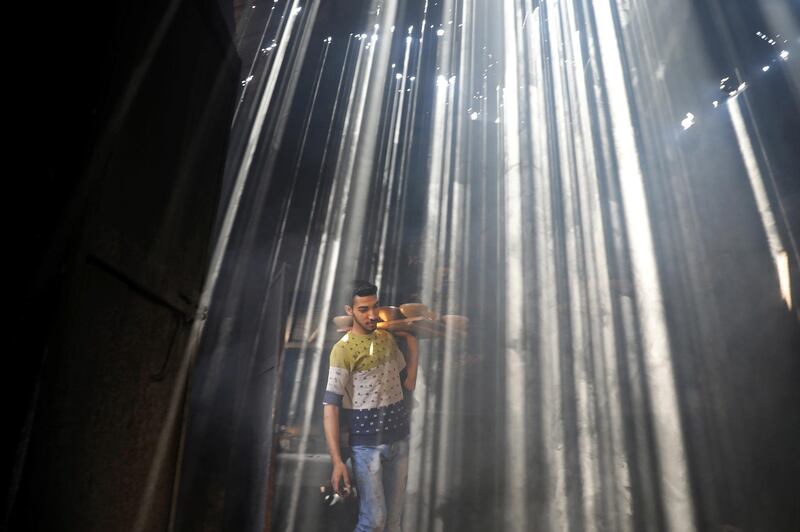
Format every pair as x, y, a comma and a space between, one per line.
688, 121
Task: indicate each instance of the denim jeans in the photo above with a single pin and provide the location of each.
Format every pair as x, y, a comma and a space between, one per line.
381, 473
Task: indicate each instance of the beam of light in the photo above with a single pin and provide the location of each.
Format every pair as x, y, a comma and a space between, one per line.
409, 138
514, 337
322, 281
547, 344
602, 446
320, 298
443, 394
416, 439
254, 132
177, 403
450, 445
356, 167
383, 176
446, 476
391, 171
677, 502
365, 142
297, 380
575, 163
776, 247
567, 129
325, 260
290, 319
420, 460
256, 56
287, 204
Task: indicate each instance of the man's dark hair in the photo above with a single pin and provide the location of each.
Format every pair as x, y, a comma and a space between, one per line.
363, 288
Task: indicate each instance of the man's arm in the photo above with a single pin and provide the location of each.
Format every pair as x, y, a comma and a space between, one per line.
330, 418
412, 360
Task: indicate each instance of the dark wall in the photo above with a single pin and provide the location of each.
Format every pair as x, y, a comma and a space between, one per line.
121, 146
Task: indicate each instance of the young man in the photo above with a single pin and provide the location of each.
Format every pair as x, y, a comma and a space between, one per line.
364, 383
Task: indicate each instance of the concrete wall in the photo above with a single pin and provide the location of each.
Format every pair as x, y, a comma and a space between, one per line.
130, 125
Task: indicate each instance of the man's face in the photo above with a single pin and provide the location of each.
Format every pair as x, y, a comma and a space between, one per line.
365, 313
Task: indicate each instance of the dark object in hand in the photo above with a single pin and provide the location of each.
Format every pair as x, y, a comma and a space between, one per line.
332, 498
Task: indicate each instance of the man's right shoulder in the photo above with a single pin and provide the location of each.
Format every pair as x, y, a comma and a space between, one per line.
340, 345
340, 354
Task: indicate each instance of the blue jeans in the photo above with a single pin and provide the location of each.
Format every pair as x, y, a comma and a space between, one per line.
381, 473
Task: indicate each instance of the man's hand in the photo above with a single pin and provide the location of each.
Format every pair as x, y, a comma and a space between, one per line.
340, 474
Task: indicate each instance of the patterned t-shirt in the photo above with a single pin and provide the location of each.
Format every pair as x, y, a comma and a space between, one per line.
364, 380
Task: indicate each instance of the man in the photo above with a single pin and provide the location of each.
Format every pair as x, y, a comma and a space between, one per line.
364, 382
